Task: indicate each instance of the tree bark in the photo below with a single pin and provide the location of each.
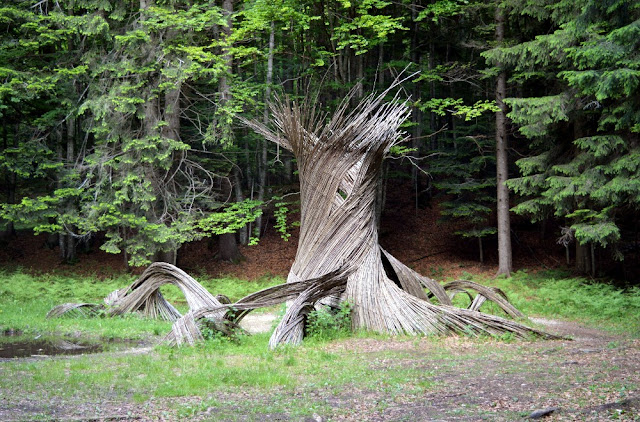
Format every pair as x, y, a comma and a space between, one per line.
338, 253
359, 88
243, 233
66, 151
70, 250
502, 162
10, 182
262, 183
168, 251
228, 247
415, 112
583, 258
432, 92
165, 252
224, 87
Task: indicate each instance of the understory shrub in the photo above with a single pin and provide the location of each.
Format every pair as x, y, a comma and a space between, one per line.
328, 323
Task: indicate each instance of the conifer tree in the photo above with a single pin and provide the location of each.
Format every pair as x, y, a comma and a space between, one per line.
502, 159
585, 125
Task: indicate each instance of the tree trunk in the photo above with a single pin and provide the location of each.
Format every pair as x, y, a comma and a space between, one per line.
243, 233
228, 247
71, 250
338, 253
10, 181
502, 162
262, 183
380, 71
66, 154
359, 88
583, 258
224, 87
156, 110
381, 198
168, 251
415, 112
169, 256
228, 243
433, 125
288, 168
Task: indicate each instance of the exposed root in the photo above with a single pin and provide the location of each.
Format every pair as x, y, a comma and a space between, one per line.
76, 309
144, 295
414, 283
484, 293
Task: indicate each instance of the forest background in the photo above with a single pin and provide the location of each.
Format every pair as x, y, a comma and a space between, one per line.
119, 126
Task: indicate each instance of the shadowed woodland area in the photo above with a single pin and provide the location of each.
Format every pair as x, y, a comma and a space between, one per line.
119, 126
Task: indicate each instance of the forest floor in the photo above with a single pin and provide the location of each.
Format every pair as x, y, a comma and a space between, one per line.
595, 376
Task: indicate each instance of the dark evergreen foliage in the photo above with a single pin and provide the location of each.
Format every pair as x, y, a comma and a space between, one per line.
114, 121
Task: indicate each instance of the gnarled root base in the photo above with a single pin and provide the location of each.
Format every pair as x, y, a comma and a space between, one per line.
384, 308
143, 296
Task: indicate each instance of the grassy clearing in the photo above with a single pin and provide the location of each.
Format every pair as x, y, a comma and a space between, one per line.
244, 381
217, 365
244, 378
555, 294
25, 300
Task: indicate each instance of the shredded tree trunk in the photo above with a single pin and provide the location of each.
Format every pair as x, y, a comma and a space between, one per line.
339, 162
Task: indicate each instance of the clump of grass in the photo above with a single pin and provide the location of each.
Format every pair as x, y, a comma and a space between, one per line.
24, 288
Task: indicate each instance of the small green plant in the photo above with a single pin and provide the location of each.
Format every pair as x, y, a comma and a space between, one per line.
212, 332
327, 324
280, 212
437, 273
209, 330
507, 337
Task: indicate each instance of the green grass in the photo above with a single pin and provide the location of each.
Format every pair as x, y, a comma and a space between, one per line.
216, 368
25, 300
281, 381
555, 294
31, 320
212, 366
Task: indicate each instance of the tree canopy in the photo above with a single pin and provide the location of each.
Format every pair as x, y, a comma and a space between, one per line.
119, 117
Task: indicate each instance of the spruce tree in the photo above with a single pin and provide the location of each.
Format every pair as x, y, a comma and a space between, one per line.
584, 127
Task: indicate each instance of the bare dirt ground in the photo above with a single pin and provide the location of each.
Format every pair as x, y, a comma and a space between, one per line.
593, 377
